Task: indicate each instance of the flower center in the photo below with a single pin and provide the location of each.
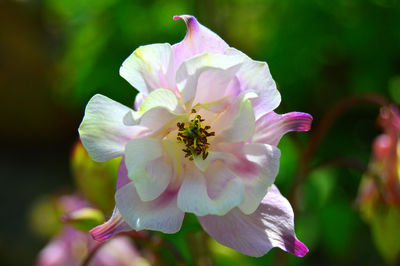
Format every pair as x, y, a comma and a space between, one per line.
194, 136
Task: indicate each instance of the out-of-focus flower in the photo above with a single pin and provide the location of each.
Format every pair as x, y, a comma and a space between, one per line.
384, 169
379, 194
71, 246
202, 139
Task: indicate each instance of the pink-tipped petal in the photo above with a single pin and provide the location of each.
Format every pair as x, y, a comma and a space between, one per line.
300, 250
110, 228
271, 225
271, 127
198, 39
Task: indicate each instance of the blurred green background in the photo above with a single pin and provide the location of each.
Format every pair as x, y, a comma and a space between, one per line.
56, 54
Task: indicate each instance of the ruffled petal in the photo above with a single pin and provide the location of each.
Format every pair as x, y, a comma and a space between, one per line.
150, 67
160, 98
161, 214
258, 165
158, 111
102, 131
147, 168
271, 127
216, 85
237, 123
255, 75
203, 164
113, 226
198, 39
271, 225
217, 68
154, 121
193, 194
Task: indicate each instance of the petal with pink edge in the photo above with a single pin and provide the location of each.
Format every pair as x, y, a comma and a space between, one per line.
271, 225
147, 168
193, 194
161, 214
150, 67
218, 71
198, 39
102, 131
258, 165
255, 75
113, 226
271, 127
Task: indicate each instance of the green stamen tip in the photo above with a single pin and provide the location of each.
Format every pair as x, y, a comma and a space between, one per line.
194, 136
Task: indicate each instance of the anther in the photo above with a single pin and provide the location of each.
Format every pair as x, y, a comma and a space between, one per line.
194, 136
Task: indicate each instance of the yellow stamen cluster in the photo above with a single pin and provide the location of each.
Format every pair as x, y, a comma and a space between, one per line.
194, 136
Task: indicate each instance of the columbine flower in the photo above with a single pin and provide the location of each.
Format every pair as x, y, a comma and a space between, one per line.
379, 193
383, 178
202, 139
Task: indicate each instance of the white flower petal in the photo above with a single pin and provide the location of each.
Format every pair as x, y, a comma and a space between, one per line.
161, 214
146, 167
138, 100
216, 84
238, 122
193, 196
203, 164
150, 67
160, 98
258, 168
271, 225
159, 110
255, 75
102, 131
188, 74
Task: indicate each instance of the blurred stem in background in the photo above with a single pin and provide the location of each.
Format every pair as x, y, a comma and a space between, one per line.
317, 134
